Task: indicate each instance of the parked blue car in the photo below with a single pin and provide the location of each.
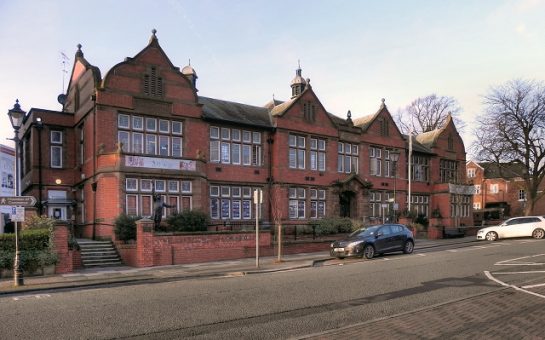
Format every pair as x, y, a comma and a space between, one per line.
369, 241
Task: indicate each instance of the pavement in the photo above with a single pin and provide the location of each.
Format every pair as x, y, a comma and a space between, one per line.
96, 277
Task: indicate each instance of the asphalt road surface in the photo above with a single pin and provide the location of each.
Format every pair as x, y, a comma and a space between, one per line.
478, 290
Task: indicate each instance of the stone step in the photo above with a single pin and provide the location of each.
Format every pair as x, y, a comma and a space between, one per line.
98, 254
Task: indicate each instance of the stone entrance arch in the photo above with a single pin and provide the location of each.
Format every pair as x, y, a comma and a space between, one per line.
352, 197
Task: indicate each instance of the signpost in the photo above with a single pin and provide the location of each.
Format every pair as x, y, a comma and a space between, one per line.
21, 201
258, 199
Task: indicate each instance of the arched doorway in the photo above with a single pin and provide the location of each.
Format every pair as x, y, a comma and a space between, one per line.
347, 203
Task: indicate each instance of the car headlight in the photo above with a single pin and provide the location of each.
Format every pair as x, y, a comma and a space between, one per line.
354, 244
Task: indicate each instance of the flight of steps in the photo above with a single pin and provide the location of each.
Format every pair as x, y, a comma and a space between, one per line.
98, 253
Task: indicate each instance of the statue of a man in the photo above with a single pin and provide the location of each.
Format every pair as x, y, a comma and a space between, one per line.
158, 206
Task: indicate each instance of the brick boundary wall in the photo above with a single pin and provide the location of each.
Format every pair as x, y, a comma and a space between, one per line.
152, 249
68, 259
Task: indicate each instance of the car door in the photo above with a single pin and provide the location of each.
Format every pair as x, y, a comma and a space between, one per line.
383, 242
398, 237
510, 228
528, 227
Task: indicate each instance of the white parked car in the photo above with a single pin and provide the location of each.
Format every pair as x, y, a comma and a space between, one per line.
523, 226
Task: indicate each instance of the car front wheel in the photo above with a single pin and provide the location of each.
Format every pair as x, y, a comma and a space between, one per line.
538, 233
369, 251
409, 247
491, 236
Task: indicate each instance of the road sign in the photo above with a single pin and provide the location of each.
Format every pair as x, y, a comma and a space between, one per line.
23, 201
17, 214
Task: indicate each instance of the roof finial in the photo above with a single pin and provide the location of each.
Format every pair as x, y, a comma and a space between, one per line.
298, 63
383, 105
189, 62
153, 36
79, 53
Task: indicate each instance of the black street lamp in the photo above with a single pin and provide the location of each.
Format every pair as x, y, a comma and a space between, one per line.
394, 156
16, 116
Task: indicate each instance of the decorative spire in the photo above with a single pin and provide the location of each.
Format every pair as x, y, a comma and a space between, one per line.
383, 105
349, 117
298, 83
79, 53
153, 37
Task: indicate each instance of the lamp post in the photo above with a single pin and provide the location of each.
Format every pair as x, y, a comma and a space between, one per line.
16, 116
394, 156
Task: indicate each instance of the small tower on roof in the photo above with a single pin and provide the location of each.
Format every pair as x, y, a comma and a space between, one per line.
298, 83
190, 73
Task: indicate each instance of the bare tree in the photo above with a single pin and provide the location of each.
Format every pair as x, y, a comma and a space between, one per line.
512, 129
429, 113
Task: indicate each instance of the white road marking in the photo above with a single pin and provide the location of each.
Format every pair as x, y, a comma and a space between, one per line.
511, 273
534, 286
487, 273
26, 297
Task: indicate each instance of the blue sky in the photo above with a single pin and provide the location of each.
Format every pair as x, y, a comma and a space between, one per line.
354, 52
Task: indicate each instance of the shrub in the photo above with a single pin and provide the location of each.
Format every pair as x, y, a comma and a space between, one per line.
39, 222
421, 219
30, 239
189, 220
35, 246
125, 227
333, 225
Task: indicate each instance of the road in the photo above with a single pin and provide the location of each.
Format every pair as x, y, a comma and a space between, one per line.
485, 290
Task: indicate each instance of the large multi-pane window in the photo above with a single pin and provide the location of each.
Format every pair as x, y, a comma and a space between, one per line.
460, 205
235, 146
420, 204
420, 169
522, 195
380, 163
297, 151
297, 203
229, 202
139, 195
347, 157
150, 135
380, 204
317, 154
471, 172
56, 149
448, 171
375, 161
306, 201
317, 203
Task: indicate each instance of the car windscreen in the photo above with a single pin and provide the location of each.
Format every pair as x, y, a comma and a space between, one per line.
364, 232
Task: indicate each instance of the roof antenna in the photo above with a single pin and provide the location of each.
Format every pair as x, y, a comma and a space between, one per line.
64, 62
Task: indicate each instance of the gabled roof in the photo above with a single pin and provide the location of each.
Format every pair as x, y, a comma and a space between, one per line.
364, 122
503, 170
417, 147
279, 110
474, 162
237, 113
430, 138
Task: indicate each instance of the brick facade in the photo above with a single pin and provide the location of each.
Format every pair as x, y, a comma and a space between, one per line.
143, 124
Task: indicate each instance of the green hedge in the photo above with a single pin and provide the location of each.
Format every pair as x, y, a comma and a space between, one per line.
35, 248
33, 239
30, 259
333, 225
189, 220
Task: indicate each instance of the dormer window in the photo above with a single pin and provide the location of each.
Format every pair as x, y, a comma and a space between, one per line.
153, 85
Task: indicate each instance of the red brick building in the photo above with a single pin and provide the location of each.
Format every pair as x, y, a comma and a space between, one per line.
142, 127
500, 187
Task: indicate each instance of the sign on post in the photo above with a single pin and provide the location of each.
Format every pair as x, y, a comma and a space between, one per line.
17, 214
23, 201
